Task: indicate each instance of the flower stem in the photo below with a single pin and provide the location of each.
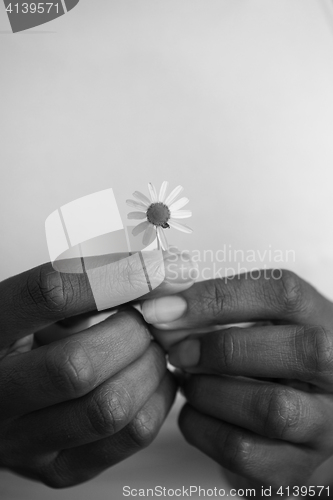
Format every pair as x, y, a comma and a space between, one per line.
158, 241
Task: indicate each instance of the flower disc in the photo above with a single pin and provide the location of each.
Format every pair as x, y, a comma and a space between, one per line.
158, 214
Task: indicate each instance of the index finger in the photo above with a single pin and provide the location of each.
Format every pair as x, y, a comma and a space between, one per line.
42, 296
292, 352
274, 295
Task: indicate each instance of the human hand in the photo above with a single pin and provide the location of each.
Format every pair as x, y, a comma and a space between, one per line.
259, 399
80, 404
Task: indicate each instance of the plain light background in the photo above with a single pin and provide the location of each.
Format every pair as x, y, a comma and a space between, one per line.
231, 99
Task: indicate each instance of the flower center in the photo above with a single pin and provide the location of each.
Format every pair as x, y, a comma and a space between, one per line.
158, 214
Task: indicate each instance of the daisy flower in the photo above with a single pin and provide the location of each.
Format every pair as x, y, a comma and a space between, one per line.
160, 212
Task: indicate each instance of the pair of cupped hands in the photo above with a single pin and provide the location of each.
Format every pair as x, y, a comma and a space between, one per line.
77, 400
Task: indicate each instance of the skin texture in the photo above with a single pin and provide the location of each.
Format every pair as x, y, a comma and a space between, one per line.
79, 403
259, 399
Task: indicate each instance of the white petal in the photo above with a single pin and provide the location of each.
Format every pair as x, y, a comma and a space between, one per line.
150, 235
181, 214
136, 204
179, 204
137, 215
140, 228
143, 198
163, 189
180, 227
173, 195
152, 192
162, 238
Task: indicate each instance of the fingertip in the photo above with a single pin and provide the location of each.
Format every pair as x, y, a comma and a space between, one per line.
186, 354
163, 309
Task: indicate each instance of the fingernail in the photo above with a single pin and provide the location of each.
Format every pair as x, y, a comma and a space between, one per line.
172, 250
186, 354
180, 269
164, 309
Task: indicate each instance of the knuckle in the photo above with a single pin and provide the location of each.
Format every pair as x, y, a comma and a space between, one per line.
238, 451
282, 413
318, 352
70, 370
108, 412
49, 289
226, 348
292, 292
215, 297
